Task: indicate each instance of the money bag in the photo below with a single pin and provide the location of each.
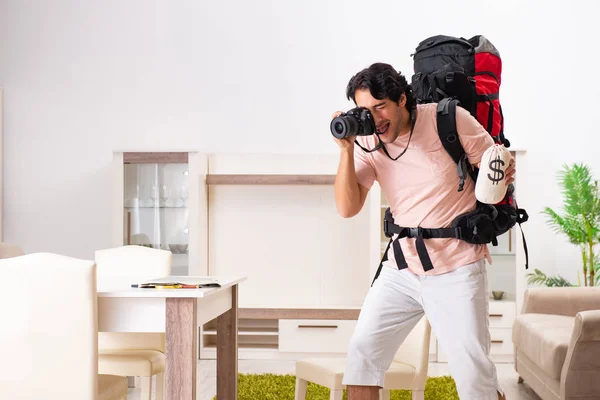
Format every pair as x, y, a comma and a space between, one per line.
491, 185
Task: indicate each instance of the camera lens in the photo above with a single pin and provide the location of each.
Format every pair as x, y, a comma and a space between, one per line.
344, 126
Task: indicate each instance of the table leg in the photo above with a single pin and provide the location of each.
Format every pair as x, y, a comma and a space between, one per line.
181, 343
227, 350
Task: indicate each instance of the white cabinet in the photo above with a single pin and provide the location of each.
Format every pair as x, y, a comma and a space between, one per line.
502, 315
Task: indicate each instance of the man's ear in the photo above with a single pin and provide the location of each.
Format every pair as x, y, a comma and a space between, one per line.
402, 100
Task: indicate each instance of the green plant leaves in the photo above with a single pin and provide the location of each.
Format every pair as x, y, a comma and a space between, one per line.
580, 221
539, 278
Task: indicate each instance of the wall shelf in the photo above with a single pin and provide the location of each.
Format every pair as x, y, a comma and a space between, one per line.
269, 179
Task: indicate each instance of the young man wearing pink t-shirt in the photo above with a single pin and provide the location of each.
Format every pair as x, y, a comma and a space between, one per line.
420, 180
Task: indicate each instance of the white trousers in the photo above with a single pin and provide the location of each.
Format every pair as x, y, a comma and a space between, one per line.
456, 305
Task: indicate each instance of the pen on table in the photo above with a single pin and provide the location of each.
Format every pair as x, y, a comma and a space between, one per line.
144, 286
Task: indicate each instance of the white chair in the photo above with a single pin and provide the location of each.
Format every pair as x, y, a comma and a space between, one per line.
49, 334
132, 354
8, 250
408, 370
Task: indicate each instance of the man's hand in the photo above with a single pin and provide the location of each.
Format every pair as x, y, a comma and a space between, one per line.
347, 142
510, 171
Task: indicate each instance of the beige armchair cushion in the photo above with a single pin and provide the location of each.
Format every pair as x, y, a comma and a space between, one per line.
544, 339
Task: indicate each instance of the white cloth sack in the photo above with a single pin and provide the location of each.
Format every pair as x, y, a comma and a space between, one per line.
491, 182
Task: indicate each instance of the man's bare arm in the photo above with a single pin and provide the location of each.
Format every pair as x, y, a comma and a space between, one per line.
350, 196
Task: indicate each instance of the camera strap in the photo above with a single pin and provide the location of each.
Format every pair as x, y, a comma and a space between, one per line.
380, 145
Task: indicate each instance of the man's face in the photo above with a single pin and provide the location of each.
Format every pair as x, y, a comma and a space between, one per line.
386, 113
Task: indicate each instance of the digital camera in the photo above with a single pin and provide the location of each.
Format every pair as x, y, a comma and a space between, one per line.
355, 122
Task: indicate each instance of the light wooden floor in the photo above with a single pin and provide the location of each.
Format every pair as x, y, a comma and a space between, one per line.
207, 377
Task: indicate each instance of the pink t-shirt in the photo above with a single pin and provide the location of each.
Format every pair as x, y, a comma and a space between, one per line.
421, 187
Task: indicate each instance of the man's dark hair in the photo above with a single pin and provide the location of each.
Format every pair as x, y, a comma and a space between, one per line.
383, 81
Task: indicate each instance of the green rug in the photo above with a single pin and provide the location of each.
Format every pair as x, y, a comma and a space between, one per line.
282, 387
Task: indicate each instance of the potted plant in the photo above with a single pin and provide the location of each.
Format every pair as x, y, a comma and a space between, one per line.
580, 223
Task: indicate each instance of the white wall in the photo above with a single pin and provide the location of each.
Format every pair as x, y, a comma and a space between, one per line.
82, 79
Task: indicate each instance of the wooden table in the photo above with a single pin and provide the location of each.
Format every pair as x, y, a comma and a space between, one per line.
179, 313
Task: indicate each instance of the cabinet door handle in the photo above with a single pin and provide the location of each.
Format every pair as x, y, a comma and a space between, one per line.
495, 315
319, 326
497, 341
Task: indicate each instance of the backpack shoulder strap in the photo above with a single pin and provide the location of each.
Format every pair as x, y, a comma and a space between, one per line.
446, 125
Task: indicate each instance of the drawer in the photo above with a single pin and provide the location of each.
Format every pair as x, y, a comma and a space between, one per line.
502, 313
315, 336
501, 341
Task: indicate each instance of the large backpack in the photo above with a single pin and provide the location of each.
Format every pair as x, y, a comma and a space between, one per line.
456, 72
467, 70
453, 72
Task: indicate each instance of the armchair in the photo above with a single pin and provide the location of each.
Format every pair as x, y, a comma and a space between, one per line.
557, 342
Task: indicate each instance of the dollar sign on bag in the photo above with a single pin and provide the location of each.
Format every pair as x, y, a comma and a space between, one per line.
498, 173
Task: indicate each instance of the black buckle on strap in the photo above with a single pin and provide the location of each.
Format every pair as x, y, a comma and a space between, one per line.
415, 232
386, 231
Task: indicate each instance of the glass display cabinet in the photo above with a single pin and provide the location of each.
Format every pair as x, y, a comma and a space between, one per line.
159, 203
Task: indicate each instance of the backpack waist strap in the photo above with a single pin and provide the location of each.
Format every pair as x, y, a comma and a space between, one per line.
473, 227
391, 229
420, 234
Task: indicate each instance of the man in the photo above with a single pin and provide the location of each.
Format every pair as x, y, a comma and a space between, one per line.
420, 180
